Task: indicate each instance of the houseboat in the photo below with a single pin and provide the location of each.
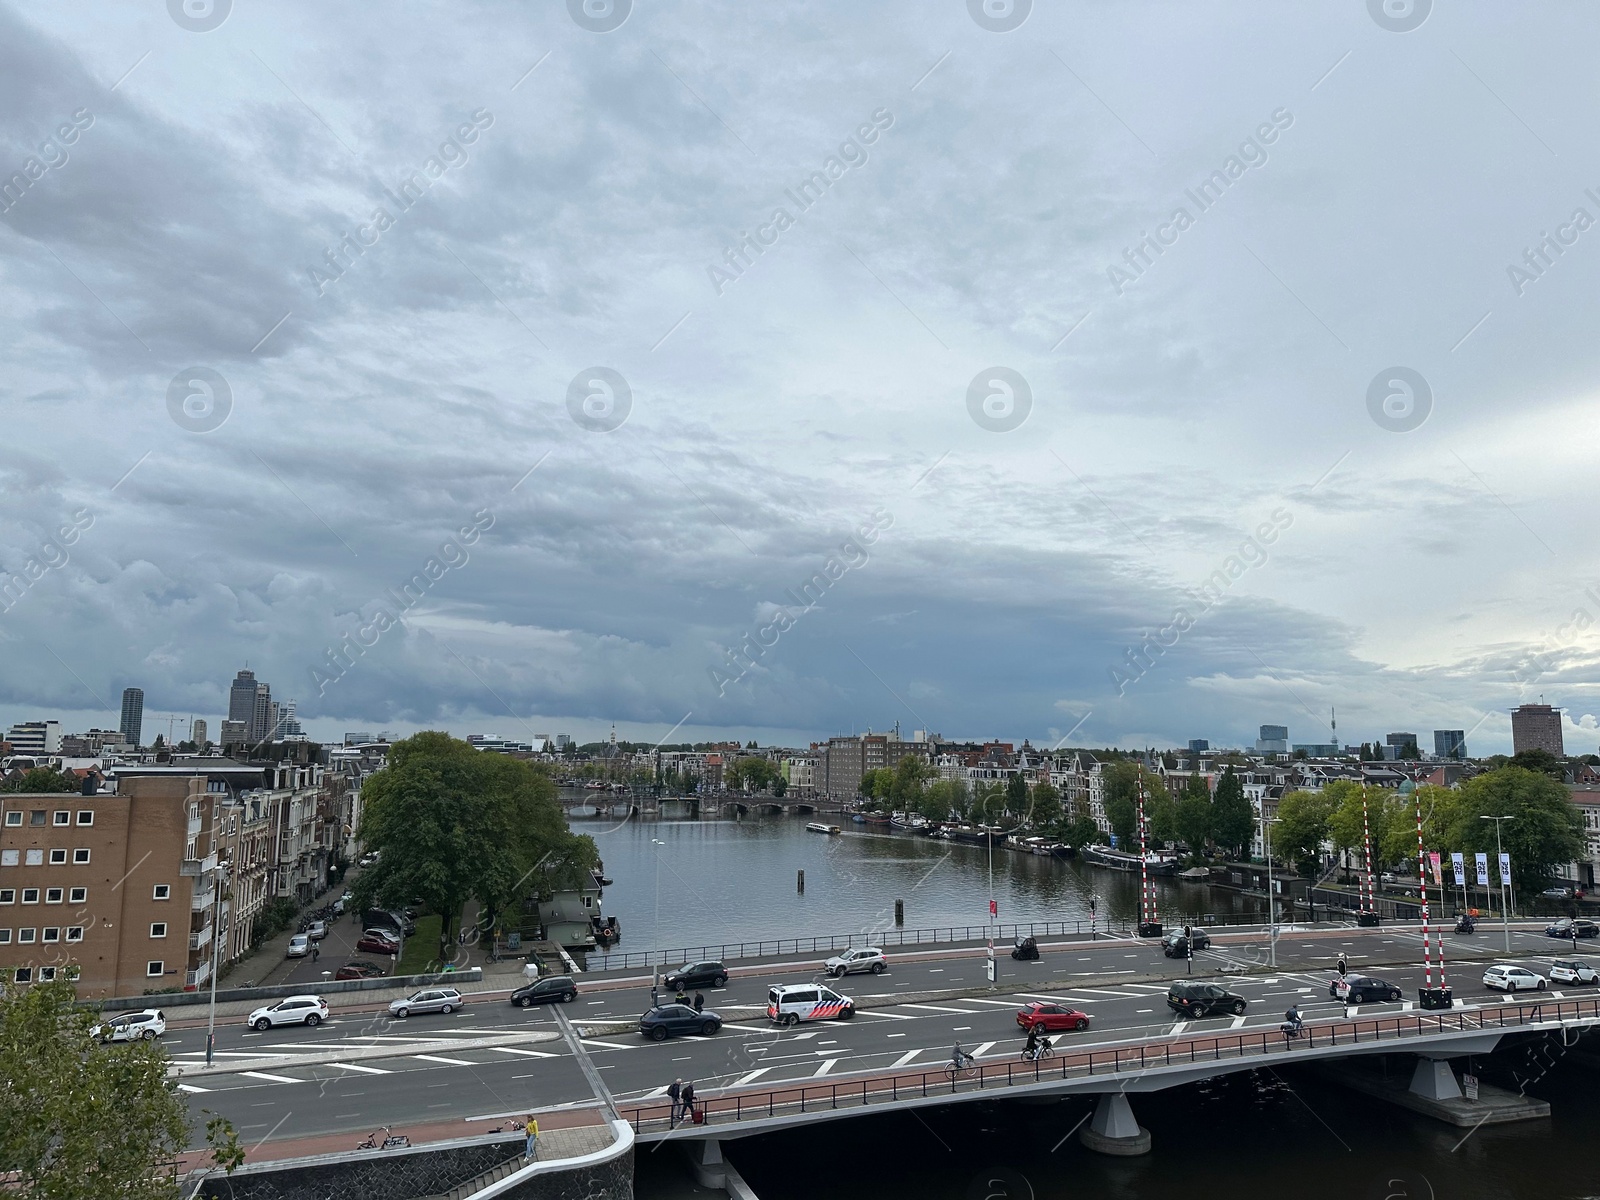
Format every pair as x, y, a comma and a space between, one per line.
1156, 863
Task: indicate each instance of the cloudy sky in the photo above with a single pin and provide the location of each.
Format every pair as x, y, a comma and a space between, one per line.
262, 383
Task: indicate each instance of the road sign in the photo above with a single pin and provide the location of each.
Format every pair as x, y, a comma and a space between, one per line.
1469, 1086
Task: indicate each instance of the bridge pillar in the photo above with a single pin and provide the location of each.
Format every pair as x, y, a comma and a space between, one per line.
1434, 1080
705, 1160
1113, 1129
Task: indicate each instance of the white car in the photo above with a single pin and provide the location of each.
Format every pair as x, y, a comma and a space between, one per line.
1572, 970
299, 946
867, 958
144, 1025
1513, 979
291, 1010
317, 930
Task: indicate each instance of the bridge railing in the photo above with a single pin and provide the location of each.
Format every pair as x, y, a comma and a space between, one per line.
1004, 937
799, 1098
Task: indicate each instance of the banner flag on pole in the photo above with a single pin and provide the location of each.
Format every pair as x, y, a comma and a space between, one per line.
1483, 869
1438, 872
1505, 868
1458, 864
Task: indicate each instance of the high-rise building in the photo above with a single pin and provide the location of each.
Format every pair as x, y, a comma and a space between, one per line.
1274, 739
132, 723
35, 737
250, 701
233, 733
1201, 745
1399, 742
1536, 727
197, 732
1449, 743
289, 728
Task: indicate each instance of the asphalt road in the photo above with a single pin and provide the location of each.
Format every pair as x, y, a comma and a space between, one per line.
365, 1086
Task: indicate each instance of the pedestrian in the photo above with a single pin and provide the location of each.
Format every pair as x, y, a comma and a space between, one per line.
699, 1002
532, 1149
675, 1094
1342, 966
655, 996
688, 1101
681, 997
315, 952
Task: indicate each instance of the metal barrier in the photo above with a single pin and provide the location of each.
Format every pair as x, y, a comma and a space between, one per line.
1143, 1056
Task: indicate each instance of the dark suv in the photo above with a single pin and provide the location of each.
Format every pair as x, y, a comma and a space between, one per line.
1203, 999
700, 974
540, 991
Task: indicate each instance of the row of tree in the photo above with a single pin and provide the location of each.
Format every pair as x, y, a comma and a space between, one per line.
452, 824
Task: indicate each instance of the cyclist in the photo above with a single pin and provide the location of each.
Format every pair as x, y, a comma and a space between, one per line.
1292, 1020
958, 1057
1031, 1050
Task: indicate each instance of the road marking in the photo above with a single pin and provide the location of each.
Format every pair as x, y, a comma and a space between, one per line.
980, 1051
519, 1050
824, 1068
998, 1003
962, 1012
800, 1037
270, 1078
614, 1045
752, 1029
906, 1057
1036, 996
229, 1054
1237, 1022
360, 1068
449, 1062
188, 1087
747, 1077
1177, 1028
1143, 1011
888, 1015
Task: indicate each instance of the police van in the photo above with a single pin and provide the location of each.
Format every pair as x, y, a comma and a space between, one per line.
791, 1003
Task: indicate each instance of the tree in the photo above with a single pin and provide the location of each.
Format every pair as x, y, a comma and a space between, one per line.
945, 798
453, 824
1539, 760
41, 779
1302, 827
904, 783
1016, 795
1193, 817
780, 785
1232, 816
1044, 805
80, 1121
1547, 831
1346, 827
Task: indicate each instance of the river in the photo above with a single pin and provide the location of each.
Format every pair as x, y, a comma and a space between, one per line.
697, 883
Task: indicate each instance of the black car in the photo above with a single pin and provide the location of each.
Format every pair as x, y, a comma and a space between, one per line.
665, 1020
1175, 945
540, 991
1364, 989
1566, 927
1203, 999
700, 974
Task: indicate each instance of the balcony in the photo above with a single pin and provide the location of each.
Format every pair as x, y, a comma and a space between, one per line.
199, 866
198, 976
194, 826
198, 941
203, 898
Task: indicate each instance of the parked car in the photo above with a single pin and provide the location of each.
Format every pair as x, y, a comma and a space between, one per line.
665, 1020
1513, 979
291, 1010
1572, 970
1566, 927
1175, 945
428, 1000
1364, 989
388, 918
1051, 1018
377, 941
317, 930
359, 968
144, 1025
851, 962
542, 991
1557, 893
1194, 999
700, 974
299, 946
367, 859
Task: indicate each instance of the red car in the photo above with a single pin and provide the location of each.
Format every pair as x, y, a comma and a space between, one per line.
373, 942
358, 969
1052, 1018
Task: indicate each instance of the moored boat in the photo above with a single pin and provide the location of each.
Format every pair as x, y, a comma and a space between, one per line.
819, 827
1156, 863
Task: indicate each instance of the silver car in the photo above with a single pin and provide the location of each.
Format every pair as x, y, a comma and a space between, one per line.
851, 962
440, 1000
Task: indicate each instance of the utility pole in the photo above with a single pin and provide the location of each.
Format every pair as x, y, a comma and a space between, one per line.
1505, 914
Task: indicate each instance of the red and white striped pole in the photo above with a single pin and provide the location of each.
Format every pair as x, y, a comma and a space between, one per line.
1369, 900
1146, 899
1422, 892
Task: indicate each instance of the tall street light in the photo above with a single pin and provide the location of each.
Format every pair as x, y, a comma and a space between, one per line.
1505, 915
656, 932
1272, 907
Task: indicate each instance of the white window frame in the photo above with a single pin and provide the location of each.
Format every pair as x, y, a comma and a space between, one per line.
61, 816
30, 891
86, 812
27, 936
47, 974
158, 929
58, 856
78, 895
23, 975
5, 937
74, 933
14, 817
8, 895
162, 891
53, 895
80, 857
154, 968
50, 933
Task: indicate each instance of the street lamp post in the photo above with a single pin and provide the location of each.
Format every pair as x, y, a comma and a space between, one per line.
1505, 915
1272, 907
655, 975
216, 937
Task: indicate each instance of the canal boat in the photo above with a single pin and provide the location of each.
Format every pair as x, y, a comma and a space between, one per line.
1196, 874
1156, 863
819, 827
973, 835
910, 822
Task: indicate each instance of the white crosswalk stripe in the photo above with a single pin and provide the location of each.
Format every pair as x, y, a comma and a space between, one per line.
271, 1078
362, 1069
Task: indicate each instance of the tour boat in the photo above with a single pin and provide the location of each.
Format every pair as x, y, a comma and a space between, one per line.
819, 827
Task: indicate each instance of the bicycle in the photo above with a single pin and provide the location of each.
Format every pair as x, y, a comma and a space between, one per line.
1043, 1050
514, 1127
391, 1140
967, 1069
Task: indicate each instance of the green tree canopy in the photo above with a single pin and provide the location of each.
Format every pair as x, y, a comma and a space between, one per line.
80, 1121
1044, 805
1547, 831
906, 781
1232, 816
1193, 815
1539, 760
452, 824
1302, 827
41, 779
945, 798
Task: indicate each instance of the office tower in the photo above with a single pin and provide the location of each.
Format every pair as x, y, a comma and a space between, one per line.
132, 723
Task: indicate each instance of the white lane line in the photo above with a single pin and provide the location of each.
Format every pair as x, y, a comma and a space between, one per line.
618, 1045
657, 1093
800, 1037
363, 1070
1037, 996
1237, 1022
906, 1057
940, 1008
449, 1062
519, 1050
270, 1078
824, 1068
1177, 1028
980, 1051
758, 1029
999, 1003
229, 1054
747, 1077
887, 1015
188, 1087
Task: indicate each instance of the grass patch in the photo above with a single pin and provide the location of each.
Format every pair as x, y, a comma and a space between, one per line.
420, 955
